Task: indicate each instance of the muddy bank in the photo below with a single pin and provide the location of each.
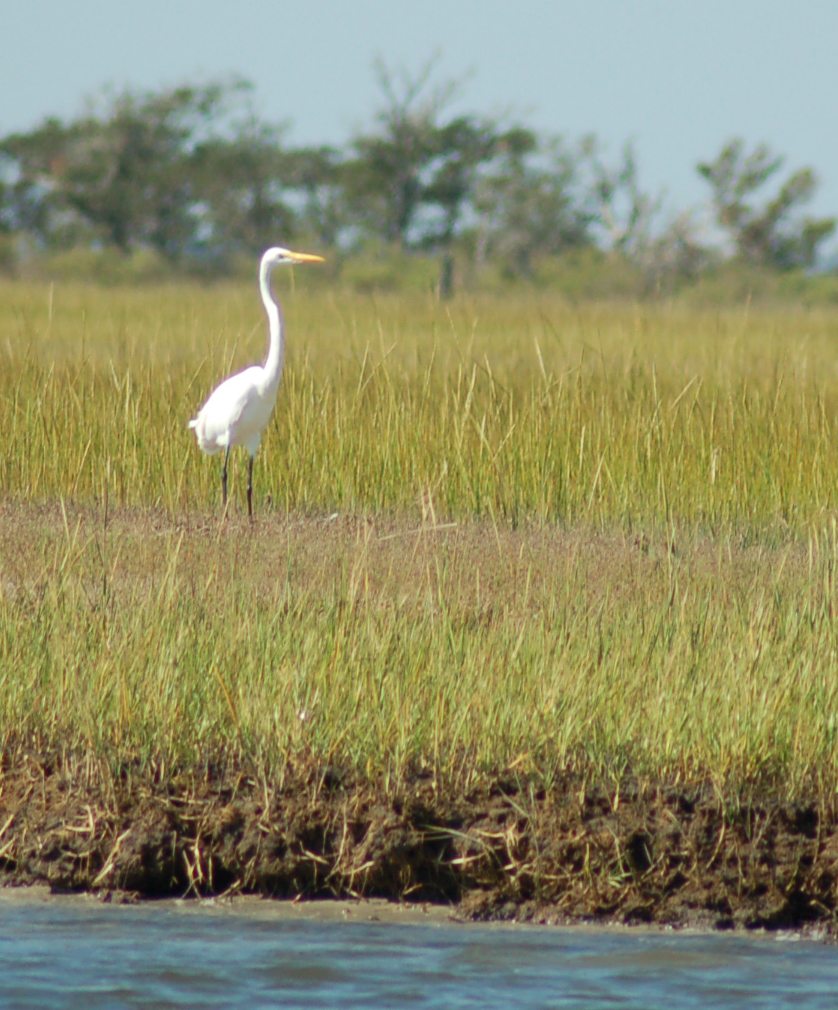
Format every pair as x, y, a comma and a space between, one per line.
250, 906
662, 854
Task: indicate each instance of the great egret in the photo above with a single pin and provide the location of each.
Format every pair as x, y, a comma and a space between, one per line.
238, 410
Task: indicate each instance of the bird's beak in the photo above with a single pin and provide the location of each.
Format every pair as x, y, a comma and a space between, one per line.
296, 257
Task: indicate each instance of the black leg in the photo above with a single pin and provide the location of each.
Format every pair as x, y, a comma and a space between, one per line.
224, 478
250, 486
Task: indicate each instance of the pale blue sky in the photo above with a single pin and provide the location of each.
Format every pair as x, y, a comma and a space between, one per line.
679, 77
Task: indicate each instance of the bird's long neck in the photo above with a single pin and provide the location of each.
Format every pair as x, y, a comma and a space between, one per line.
276, 328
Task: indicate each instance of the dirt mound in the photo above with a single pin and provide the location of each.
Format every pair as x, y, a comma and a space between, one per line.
663, 854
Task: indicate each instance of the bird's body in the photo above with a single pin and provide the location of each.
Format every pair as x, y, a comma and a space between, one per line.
238, 410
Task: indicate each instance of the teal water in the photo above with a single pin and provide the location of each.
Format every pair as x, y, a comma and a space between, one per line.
82, 955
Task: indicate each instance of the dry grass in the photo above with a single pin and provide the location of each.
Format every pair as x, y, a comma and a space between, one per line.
387, 645
598, 537
614, 417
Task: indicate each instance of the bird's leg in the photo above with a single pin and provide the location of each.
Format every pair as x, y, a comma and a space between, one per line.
224, 479
250, 487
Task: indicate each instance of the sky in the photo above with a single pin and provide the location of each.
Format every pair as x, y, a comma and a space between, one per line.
676, 77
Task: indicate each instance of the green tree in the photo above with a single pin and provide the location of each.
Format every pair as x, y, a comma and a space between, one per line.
121, 176
465, 147
32, 201
621, 211
530, 202
772, 233
238, 182
412, 178
315, 178
391, 175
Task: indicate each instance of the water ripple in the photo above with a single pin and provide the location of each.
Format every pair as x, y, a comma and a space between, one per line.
73, 955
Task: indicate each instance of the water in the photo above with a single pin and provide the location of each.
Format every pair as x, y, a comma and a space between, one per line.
79, 954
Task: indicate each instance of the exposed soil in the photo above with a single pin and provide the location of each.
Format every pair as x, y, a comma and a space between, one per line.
666, 854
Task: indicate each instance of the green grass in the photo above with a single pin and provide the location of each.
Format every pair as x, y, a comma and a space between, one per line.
503, 409
593, 537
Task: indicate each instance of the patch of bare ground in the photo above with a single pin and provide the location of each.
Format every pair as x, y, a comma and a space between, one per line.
494, 566
667, 851
664, 854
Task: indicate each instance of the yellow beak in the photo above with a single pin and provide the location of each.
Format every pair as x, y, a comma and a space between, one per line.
305, 257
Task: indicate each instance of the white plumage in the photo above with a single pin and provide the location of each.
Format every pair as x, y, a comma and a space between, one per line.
238, 410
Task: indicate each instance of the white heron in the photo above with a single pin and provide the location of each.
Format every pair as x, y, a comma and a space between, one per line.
237, 410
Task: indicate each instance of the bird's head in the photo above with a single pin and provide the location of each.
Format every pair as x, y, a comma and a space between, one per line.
277, 255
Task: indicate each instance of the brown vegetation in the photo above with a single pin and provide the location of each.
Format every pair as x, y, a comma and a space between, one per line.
504, 827
666, 853
537, 615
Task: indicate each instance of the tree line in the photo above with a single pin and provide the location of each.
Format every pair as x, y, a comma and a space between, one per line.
193, 174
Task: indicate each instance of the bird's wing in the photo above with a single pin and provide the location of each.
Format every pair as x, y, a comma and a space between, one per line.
218, 418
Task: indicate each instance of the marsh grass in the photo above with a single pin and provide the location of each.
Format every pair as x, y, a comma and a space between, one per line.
500, 409
495, 535
390, 646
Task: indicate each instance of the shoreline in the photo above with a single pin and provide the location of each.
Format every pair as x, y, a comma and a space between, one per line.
379, 910
368, 911
660, 855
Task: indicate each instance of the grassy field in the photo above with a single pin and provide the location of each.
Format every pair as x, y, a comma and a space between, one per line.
500, 534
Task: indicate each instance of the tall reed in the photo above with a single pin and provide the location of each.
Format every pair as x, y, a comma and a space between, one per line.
495, 534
